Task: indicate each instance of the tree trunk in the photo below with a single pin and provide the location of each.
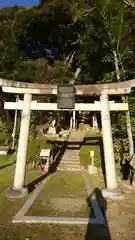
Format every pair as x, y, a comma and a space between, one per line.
2, 116
14, 127
116, 62
130, 3
67, 58
8, 120
14, 131
76, 74
71, 60
124, 99
129, 132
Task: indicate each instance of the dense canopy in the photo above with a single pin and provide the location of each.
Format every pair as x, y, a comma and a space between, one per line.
46, 44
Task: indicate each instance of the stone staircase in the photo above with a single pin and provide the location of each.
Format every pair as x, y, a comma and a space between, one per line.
71, 158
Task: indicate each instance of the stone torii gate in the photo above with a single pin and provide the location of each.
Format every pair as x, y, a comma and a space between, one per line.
104, 106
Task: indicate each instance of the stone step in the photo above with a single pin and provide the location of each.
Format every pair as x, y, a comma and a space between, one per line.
70, 156
69, 166
73, 147
73, 143
69, 169
70, 160
72, 151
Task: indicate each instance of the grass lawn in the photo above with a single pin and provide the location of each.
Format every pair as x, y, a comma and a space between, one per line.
64, 195
8, 207
8, 159
94, 142
34, 147
68, 187
4, 137
96, 181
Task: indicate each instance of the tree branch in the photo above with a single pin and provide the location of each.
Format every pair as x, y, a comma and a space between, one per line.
130, 3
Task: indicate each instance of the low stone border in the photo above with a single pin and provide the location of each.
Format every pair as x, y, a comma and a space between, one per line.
95, 205
56, 220
21, 218
31, 199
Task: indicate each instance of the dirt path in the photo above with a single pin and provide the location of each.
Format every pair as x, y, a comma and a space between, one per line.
121, 217
120, 213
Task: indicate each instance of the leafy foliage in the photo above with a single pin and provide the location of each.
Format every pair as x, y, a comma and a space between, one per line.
89, 32
121, 150
3, 127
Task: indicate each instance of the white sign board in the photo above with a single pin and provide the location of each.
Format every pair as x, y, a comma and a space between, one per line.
45, 152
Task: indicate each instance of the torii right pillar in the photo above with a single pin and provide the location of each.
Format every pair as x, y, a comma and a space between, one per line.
110, 169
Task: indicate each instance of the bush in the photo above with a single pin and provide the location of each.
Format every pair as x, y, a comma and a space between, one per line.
121, 149
34, 147
3, 127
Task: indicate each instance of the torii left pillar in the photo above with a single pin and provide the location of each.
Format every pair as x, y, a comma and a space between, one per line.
111, 179
18, 189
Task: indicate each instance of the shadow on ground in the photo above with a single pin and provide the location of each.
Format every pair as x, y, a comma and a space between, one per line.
10, 153
58, 158
127, 171
7, 165
31, 186
97, 231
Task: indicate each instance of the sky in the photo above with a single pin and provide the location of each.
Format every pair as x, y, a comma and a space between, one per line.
4, 3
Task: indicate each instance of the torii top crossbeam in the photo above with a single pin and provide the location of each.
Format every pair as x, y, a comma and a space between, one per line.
117, 88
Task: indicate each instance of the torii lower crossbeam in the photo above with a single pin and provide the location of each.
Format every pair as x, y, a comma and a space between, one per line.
53, 106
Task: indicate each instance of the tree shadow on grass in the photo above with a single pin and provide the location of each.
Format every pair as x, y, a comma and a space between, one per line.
7, 165
53, 168
98, 231
31, 186
10, 153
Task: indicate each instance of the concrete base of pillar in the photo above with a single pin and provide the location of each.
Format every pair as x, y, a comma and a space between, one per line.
92, 169
115, 194
17, 193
